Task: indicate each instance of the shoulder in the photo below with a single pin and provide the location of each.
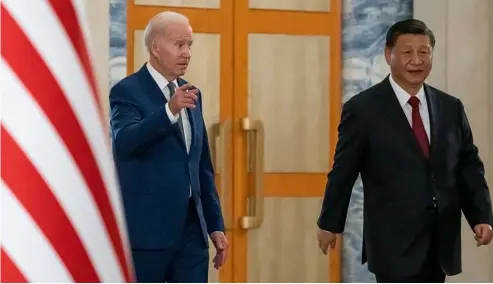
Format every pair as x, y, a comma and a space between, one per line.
129, 82
364, 98
441, 94
448, 100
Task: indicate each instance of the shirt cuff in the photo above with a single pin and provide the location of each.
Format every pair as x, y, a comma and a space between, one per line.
216, 232
172, 118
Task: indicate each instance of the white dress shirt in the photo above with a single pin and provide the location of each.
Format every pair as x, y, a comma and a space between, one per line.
404, 97
163, 85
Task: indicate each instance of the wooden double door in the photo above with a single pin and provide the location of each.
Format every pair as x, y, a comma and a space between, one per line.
270, 75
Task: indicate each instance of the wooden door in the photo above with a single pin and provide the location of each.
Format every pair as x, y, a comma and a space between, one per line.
271, 65
287, 101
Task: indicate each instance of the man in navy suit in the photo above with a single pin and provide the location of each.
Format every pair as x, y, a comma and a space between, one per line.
162, 156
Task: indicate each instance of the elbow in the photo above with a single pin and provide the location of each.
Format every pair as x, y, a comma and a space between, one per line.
119, 147
123, 146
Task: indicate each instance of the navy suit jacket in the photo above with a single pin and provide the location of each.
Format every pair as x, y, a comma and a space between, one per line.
154, 169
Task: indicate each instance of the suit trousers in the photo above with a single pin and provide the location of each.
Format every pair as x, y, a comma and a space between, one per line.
187, 261
431, 271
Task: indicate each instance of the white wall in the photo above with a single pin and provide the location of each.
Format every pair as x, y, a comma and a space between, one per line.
98, 18
463, 67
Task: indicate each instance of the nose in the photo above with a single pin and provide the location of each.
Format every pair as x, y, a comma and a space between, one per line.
416, 59
187, 52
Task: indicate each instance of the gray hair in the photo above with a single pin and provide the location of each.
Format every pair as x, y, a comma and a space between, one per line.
161, 21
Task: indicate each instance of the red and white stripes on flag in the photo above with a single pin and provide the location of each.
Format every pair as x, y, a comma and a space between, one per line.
62, 217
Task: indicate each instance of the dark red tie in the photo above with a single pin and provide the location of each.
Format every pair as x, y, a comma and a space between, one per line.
418, 127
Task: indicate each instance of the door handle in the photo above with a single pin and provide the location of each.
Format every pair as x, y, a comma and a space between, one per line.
255, 132
222, 163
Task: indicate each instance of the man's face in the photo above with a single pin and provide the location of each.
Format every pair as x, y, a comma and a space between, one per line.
172, 49
410, 59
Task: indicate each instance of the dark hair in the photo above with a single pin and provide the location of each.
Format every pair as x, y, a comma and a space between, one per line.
409, 26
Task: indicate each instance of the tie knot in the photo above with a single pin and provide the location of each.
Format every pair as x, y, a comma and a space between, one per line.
414, 101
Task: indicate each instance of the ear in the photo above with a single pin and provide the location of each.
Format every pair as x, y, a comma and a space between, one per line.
388, 54
155, 48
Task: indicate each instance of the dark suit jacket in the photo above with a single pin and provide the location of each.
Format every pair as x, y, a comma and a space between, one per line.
154, 169
376, 140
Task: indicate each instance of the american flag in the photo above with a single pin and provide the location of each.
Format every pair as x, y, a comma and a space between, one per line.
61, 214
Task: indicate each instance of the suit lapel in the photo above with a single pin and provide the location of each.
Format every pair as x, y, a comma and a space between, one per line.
152, 89
391, 107
434, 110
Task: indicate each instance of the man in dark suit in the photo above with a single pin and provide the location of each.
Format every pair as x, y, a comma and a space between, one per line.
164, 165
414, 149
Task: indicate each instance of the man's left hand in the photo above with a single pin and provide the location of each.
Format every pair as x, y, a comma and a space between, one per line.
484, 233
221, 244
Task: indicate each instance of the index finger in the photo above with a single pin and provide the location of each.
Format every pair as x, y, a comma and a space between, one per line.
194, 97
185, 87
193, 91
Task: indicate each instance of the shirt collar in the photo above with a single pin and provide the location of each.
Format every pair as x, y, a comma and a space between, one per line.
404, 96
160, 80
